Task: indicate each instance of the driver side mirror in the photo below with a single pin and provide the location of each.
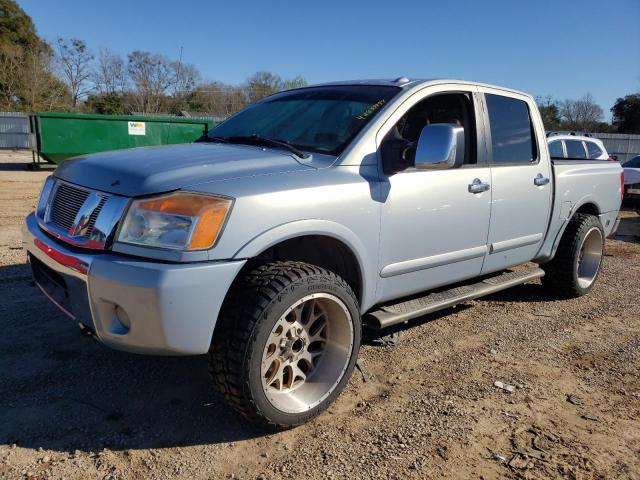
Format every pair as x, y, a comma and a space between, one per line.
440, 146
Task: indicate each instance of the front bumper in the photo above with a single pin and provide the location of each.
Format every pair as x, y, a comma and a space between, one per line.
172, 308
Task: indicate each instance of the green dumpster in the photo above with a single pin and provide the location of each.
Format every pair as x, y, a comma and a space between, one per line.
63, 135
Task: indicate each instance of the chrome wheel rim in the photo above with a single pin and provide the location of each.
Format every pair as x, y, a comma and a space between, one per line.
307, 353
589, 258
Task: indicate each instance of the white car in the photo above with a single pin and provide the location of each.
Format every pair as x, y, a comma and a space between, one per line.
632, 178
576, 147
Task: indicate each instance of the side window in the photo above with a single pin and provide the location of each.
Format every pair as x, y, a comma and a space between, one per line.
555, 149
593, 150
575, 149
511, 130
454, 108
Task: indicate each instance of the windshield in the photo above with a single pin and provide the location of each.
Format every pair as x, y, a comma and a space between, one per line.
316, 119
633, 163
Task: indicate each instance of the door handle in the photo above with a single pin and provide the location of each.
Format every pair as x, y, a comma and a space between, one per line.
477, 186
540, 180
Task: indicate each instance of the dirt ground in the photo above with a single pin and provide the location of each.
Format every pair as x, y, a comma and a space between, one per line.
424, 408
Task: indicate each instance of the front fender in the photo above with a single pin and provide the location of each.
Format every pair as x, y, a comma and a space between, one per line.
328, 228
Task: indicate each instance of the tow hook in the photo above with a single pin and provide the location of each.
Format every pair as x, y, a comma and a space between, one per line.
85, 330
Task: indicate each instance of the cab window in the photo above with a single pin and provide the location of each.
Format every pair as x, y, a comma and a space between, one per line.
593, 150
575, 149
555, 149
511, 129
452, 108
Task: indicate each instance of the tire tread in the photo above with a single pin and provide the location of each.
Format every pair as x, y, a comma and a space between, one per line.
559, 275
242, 312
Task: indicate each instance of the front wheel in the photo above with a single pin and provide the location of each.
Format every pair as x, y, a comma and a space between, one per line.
287, 342
577, 262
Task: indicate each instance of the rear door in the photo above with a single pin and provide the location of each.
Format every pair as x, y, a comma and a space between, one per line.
520, 180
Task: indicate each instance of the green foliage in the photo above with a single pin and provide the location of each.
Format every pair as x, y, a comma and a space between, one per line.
582, 115
16, 27
27, 81
626, 114
295, 82
106, 103
550, 113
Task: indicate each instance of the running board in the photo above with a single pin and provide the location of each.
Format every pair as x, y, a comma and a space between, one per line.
392, 314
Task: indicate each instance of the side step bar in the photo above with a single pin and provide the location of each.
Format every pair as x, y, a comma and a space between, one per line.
392, 314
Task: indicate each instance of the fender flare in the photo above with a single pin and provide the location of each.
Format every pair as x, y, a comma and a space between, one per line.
589, 198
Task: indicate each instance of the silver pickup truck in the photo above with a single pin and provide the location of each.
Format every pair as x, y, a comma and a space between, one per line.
269, 243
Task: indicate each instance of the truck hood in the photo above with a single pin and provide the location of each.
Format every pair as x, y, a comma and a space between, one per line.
147, 170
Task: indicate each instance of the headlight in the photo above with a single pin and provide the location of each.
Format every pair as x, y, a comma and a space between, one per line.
183, 221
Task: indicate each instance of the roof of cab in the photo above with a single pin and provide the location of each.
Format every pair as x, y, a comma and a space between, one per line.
406, 83
551, 136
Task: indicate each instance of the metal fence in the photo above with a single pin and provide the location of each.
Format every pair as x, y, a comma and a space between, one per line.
14, 131
624, 146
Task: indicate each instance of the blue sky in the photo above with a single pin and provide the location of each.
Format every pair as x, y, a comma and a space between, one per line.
560, 48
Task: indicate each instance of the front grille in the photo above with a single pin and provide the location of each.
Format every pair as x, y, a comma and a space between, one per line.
67, 202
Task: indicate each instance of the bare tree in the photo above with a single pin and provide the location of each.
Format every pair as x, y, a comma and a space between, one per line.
27, 80
152, 76
219, 99
187, 78
110, 75
74, 61
582, 114
12, 60
262, 84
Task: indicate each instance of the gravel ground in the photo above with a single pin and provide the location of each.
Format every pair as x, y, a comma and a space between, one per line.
424, 408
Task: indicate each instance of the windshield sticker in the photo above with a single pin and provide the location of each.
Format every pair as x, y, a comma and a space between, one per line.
364, 115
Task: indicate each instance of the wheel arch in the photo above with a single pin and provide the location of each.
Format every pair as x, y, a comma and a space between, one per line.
586, 205
323, 243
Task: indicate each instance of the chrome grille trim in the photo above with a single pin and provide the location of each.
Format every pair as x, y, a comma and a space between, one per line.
79, 216
67, 202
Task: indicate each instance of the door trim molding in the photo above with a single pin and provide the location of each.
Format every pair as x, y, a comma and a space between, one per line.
512, 243
423, 263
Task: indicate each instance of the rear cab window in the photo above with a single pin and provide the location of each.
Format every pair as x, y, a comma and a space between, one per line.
575, 149
512, 139
593, 150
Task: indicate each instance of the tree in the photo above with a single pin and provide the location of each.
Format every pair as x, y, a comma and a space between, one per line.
110, 84
626, 114
110, 75
295, 82
186, 80
27, 81
74, 61
16, 27
550, 113
42, 90
152, 75
263, 84
582, 114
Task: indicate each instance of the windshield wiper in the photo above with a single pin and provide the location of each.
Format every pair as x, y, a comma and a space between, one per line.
258, 140
207, 138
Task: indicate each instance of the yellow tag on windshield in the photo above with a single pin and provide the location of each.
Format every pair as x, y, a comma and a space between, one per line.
364, 115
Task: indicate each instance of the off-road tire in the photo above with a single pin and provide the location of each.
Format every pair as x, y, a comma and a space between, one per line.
255, 303
561, 274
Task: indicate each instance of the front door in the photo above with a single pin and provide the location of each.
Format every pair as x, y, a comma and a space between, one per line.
520, 182
434, 227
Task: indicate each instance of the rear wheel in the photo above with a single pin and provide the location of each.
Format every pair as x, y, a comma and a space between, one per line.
576, 265
286, 344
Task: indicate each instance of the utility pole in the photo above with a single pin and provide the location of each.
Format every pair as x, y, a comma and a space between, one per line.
178, 71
